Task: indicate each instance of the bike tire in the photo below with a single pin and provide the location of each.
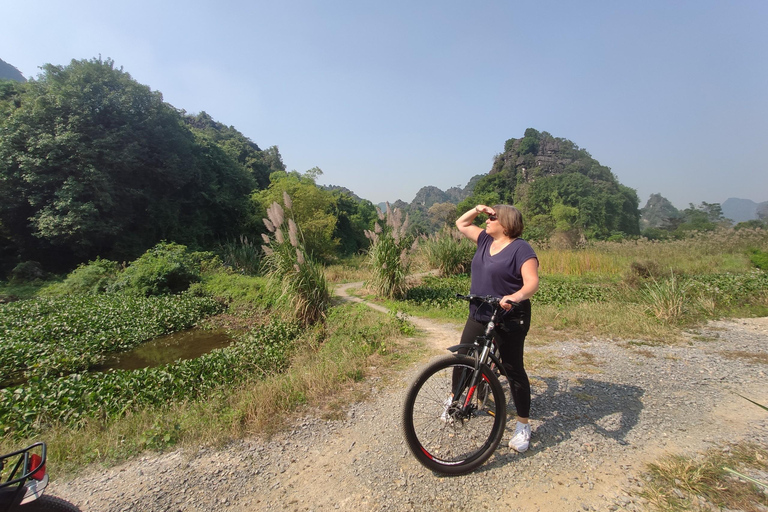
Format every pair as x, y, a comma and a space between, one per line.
46, 503
459, 445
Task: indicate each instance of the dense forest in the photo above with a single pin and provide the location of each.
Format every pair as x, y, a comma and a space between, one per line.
94, 164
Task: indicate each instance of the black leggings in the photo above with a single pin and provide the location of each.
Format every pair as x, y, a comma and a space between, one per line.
510, 340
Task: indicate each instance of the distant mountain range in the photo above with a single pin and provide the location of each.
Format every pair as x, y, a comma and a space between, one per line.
9, 72
741, 210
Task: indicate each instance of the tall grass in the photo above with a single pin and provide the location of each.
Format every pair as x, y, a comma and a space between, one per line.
679, 483
448, 251
298, 282
717, 251
241, 255
388, 255
667, 299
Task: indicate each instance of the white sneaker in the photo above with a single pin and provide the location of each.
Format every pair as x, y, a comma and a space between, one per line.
445, 417
522, 437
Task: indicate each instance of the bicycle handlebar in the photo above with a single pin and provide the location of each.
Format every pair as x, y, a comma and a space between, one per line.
487, 299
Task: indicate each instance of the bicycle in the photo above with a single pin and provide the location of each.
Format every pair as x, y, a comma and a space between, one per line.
455, 411
23, 478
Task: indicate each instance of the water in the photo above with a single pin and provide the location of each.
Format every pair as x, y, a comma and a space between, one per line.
188, 344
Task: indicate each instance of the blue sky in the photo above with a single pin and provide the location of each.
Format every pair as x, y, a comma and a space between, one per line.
387, 97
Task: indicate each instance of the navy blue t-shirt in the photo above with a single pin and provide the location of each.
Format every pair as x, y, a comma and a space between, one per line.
497, 275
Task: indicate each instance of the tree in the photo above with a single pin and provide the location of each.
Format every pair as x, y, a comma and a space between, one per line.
92, 163
313, 209
352, 219
442, 214
702, 217
239, 148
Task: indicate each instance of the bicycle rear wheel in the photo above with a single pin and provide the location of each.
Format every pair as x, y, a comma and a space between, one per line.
438, 433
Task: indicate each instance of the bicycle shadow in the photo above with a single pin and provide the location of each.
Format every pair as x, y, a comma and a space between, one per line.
609, 410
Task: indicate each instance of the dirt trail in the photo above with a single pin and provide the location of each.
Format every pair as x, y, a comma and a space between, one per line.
599, 415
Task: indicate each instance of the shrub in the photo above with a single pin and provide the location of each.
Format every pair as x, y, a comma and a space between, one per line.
92, 277
27, 272
165, 268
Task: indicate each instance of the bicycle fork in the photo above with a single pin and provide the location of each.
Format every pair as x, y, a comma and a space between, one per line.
477, 374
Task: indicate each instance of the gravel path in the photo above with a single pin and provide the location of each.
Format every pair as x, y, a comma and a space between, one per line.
601, 409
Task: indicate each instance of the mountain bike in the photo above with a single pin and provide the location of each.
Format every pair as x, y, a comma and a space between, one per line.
455, 410
23, 478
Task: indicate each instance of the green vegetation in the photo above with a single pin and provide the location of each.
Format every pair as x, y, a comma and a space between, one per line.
76, 398
164, 269
388, 256
633, 289
274, 367
759, 258
313, 211
295, 279
255, 384
95, 164
55, 336
448, 251
92, 277
123, 218
50, 342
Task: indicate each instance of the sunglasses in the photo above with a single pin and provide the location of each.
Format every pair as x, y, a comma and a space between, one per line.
492, 217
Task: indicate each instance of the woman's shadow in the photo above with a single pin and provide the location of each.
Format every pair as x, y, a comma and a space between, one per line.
562, 406
611, 410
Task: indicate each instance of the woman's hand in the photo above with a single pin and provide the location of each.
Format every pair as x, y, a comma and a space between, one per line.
466, 225
506, 305
481, 208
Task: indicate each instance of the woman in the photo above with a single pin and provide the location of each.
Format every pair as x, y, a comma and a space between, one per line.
504, 266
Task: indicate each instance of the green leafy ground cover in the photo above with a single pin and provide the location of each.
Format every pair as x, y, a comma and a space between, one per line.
56, 336
76, 397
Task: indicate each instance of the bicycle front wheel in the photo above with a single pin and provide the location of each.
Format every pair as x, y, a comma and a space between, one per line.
48, 503
441, 433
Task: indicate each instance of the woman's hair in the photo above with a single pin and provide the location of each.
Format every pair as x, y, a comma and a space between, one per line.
510, 219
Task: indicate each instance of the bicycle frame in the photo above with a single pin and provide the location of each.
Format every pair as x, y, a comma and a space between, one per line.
483, 350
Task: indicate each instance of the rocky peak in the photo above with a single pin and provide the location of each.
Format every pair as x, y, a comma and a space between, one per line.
9, 72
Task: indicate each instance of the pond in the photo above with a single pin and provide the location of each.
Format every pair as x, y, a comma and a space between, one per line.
187, 344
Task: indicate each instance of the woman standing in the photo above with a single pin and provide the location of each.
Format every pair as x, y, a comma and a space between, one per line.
504, 266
